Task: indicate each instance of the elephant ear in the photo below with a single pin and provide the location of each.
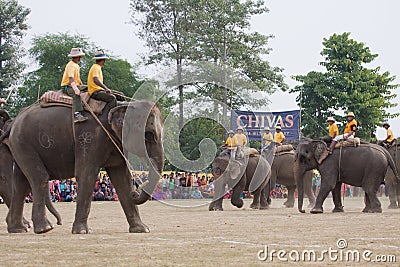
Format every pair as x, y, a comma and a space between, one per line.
235, 169
320, 150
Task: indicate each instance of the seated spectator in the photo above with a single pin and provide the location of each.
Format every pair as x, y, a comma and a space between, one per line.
99, 195
196, 194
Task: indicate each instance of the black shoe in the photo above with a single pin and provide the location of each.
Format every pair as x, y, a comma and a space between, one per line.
78, 117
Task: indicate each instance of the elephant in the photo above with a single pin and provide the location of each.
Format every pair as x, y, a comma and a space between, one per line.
364, 166
390, 180
46, 144
6, 171
240, 177
282, 173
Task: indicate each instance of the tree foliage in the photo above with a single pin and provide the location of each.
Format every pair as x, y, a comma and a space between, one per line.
347, 85
12, 29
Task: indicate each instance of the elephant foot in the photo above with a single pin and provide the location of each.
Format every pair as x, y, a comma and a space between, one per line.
238, 203
338, 209
255, 206
366, 209
26, 223
139, 228
215, 209
81, 229
375, 210
316, 210
59, 222
42, 228
288, 204
393, 206
311, 205
265, 207
17, 230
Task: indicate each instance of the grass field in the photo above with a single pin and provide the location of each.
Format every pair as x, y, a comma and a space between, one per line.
197, 237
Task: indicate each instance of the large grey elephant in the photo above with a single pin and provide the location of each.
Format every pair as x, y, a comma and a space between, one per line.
391, 181
282, 173
254, 177
364, 166
45, 145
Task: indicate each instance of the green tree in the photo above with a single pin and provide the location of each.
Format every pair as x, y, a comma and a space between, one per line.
50, 52
12, 29
348, 85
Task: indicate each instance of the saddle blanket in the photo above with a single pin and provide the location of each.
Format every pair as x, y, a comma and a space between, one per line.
353, 142
53, 98
284, 148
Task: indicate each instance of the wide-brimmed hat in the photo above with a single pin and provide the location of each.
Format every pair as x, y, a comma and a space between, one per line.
278, 127
76, 52
231, 132
100, 55
350, 114
330, 119
240, 128
386, 123
266, 129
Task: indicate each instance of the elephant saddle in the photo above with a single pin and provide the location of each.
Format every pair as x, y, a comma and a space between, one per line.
284, 149
353, 142
58, 98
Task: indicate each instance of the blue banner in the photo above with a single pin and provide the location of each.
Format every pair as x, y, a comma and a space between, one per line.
254, 123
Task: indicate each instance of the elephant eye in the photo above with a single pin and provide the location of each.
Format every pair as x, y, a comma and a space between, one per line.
307, 151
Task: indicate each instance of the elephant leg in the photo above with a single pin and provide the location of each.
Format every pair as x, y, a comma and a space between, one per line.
336, 196
237, 191
367, 203
289, 203
398, 193
216, 205
256, 199
373, 200
86, 180
15, 220
263, 198
392, 194
327, 185
122, 182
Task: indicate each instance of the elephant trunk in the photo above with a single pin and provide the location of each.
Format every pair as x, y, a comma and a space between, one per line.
299, 174
155, 169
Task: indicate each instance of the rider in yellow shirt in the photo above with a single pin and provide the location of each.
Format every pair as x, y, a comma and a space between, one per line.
279, 137
389, 135
241, 140
96, 88
267, 137
231, 144
333, 129
70, 81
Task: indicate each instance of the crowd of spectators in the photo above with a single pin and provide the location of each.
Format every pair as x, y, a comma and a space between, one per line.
174, 186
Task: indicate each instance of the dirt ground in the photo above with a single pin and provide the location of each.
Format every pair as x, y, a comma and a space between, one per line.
197, 237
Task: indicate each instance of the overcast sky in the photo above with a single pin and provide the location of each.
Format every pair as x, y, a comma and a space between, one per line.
298, 27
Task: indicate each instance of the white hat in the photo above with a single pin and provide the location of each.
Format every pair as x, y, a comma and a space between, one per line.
240, 128
278, 127
330, 119
100, 55
76, 52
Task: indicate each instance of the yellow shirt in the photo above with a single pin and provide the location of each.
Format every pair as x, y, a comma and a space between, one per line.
279, 137
267, 137
71, 70
333, 129
231, 143
389, 132
95, 71
349, 126
241, 139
